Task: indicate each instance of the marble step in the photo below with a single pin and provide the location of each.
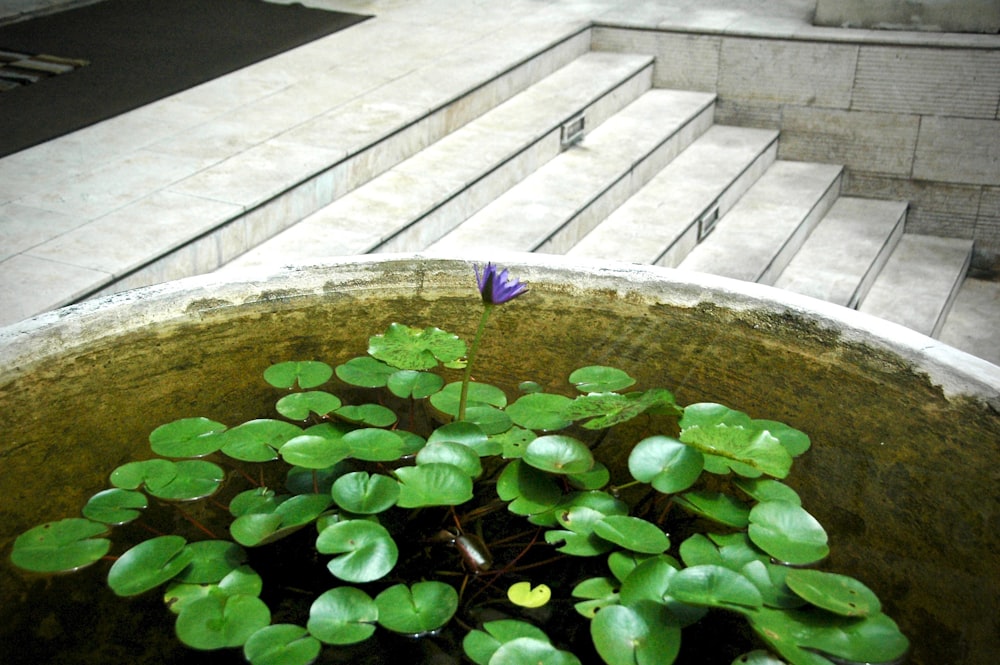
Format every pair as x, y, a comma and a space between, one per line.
845, 252
764, 230
421, 198
973, 324
564, 200
664, 220
919, 282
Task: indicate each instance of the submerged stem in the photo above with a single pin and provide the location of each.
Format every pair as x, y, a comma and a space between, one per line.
464, 399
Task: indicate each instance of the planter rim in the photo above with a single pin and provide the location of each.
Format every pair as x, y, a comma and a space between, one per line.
25, 343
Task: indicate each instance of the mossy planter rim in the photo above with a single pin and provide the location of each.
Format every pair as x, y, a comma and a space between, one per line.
30, 341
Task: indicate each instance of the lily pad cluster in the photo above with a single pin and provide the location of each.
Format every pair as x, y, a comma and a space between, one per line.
352, 469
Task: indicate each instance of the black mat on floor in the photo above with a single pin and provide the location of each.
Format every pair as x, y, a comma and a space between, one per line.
140, 51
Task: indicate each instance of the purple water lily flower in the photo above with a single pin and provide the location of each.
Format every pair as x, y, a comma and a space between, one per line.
497, 288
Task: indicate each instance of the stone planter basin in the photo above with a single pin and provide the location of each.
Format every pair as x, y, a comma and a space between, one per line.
903, 469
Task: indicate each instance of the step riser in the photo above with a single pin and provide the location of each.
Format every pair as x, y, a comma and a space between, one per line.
598, 208
674, 254
436, 223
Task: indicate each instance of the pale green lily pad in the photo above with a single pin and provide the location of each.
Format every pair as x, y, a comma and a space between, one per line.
343, 615
365, 494
600, 379
405, 347
540, 411
304, 373
787, 532
559, 454
281, 644
835, 593
644, 633
218, 622
416, 609
667, 464
298, 406
365, 550
435, 484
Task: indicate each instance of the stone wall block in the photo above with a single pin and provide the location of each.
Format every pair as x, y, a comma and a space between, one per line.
683, 61
958, 150
952, 82
865, 141
787, 72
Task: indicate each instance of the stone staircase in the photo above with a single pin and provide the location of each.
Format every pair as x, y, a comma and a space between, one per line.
651, 180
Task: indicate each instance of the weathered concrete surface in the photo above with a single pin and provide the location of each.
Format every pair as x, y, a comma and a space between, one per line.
935, 15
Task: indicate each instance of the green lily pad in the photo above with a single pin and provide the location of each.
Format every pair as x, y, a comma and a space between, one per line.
374, 445
480, 645
449, 452
765, 489
405, 347
192, 480
666, 463
281, 644
218, 622
148, 565
795, 442
187, 437
416, 609
633, 534
787, 532
410, 383
211, 561
258, 440
366, 550
540, 411
366, 372
559, 454
61, 546
305, 373
609, 409
716, 506
600, 379
435, 484
271, 521
530, 650
513, 442
373, 415
240, 581
365, 494
715, 586
835, 593
298, 406
468, 434
115, 506
650, 580
343, 615
529, 490
644, 633
312, 451
447, 400
753, 448
795, 634
597, 593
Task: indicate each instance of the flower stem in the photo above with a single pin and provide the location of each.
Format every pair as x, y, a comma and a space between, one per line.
463, 400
